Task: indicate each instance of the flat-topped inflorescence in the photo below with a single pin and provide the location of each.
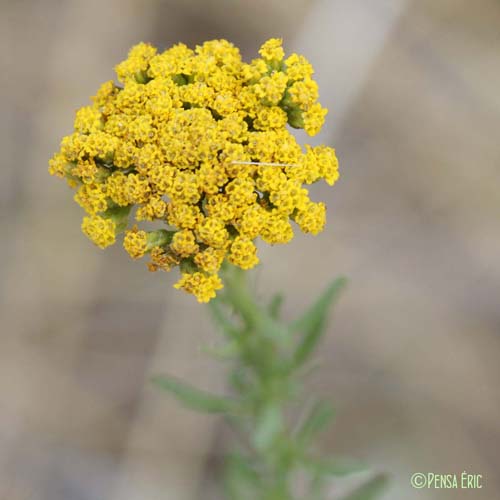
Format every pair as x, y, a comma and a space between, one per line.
199, 141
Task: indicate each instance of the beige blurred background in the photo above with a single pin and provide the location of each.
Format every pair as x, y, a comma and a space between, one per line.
411, 360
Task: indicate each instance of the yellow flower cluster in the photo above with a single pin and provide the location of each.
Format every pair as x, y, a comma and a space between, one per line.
198, 140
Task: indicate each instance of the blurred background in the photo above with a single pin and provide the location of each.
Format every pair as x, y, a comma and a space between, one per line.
411, 360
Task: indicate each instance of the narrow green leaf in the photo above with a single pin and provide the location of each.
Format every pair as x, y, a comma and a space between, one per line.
312, 322
335, 466
274, 307
269, 425
371, 490
225, 352
320, 416
194, 399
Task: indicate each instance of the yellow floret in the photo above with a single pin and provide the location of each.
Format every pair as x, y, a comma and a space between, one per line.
263, 145
223, 51
327, 163
219, 207
135, 66
125, 154
162, 259
307, 170
277, 229
271, 178
87, 171
314, 118
184, 243
270, 88
241, 192
288, 197
138, 189
104, 95
135, 243
212, 177
155, 208
210, 259
161, 177
233, 127
212, 232
174, 61
255, 70
225, 104
202, 286
272, 50
298, 67
100, 230
116, 188
304, 93
59, 165
88, 119
312, 218
243, 253
92, 198
270, 117
183, 215
185, 188
252, 221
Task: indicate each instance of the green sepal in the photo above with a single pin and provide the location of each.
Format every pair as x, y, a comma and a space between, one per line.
286, 102
180, 79
193, 398
274, 65
159, 238
142, 77
68, 168
102, 174
312, 323
295, 118
119, 215
188, 266
106, 161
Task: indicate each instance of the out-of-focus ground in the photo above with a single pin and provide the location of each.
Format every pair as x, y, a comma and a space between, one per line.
412, 357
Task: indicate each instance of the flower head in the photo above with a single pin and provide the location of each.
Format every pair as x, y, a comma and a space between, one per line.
198, 141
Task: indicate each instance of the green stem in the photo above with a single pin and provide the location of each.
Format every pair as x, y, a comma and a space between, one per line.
262, 351
239, 295
268, 360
